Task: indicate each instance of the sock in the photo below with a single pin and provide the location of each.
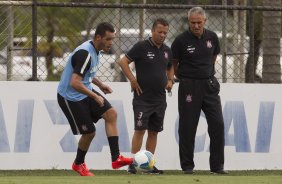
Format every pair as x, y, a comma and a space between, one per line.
114, 147
80, 156
132, 156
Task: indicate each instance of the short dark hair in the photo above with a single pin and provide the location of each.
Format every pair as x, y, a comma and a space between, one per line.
159, 21
103, 27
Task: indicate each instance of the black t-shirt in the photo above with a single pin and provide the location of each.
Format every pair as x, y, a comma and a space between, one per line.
195, 55
151, 64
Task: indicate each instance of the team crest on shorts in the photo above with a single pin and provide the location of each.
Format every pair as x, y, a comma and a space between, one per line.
84, 128
209, 44
139, 123
189, 98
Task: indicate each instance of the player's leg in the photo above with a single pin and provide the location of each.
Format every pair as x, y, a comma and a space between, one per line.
155, 126
151, 146
110, 117
137, 140
109, 114
151, 141
213, 111
83, 146
80, 122
189, 107
140, 127
79, 162
136, 145
141, 116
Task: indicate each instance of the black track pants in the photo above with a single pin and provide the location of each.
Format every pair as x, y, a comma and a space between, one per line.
193, 96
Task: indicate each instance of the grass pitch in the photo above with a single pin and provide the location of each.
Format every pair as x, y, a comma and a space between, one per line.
121, 177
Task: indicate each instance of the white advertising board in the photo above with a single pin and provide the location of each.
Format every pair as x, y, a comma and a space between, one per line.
34, 134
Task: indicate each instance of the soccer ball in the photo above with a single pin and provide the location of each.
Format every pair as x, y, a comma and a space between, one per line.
144, 160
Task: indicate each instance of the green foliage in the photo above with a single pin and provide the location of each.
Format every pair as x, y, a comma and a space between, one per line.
3, 28
257, 21
23, 21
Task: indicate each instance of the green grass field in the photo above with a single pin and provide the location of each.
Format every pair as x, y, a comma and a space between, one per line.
120, 176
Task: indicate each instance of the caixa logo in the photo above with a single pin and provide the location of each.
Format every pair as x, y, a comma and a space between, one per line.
68, 143
234, 114
234, 117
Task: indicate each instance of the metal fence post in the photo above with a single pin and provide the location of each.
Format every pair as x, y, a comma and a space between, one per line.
34, 41
252, 43
224, 40
10, 43
142, 18
117, 23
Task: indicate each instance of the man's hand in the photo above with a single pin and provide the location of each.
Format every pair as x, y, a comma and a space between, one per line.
169, 85
105, 88
135, 87
99, 100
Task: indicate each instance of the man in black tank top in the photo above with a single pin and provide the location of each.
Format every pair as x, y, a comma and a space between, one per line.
154, 75
194, 53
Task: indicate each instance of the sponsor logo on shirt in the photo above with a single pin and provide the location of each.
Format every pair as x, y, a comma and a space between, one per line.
150, 55
190, 48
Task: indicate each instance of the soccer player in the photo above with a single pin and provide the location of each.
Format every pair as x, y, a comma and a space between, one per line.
154, 75
83, 105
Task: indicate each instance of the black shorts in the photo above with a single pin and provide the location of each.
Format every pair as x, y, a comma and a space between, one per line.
83, 114
149, 116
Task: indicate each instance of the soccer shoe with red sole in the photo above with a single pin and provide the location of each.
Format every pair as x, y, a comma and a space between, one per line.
121, 161
82, 169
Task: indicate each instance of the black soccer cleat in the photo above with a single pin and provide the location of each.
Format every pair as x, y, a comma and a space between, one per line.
188, 171
154, 171
220, 172
131, 169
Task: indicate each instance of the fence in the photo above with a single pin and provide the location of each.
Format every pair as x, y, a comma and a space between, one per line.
36, 37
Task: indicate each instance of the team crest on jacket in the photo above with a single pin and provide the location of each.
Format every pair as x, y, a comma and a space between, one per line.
166, 55
209, 44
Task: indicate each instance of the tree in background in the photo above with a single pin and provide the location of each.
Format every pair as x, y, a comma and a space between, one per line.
267, 34
271, 71
61, 25
252, 67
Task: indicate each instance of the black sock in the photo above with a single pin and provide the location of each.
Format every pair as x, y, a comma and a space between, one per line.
114, 147
80, 156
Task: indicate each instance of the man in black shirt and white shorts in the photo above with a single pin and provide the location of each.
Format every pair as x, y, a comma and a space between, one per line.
194, 54
154, 75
